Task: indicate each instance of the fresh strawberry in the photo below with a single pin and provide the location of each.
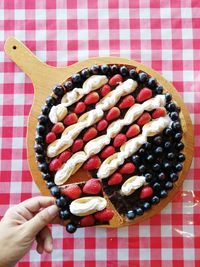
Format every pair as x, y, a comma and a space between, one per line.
91, 98
55, 164
119, 140
70, 119
50, 137
144, 118
87, 221
133, 130
108, 151
159, 112
113, 114
146, 192
77, 145
92, 163
116, 178
64, 156
128, 168
89, 134
102, 125
58, 128
80, 107
127, 102
72, 191
104, 215
105, 90
116, 79
144, 94
92, 187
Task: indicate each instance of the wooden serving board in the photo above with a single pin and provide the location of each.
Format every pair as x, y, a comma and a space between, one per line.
45, 77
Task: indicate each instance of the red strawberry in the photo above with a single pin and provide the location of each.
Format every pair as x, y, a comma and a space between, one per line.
108, 151
64, 156
80, 107
87, 221
72, 191
92, 187
58, 128
116, 178
89, 134
104, 215
127, 102
50, 137
55, 164
133, 130
159, 112
105, 90
113, 113
70, 119
144, 118
119, 140
146, 192
116, 79
128, 168
92, 163
77, 145
91, 98
144, 94
102, 125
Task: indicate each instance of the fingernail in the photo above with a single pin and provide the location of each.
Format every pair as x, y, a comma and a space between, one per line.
53, 210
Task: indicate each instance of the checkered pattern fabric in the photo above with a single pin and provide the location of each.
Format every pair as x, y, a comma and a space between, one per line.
162, 34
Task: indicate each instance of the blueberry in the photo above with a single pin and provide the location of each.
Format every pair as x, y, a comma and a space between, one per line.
50, 184
141, 151
170, 156
130, 214
85, 73
39, 139
150, 158
142, 168
168, 97
45, 110
55, 191
146, 205
133, 74
142, 77
76, 78
42, 119
179, 167
68, 85
114, 69
124, 71
148, 177
40, 158
171, 107
156, 186
173, 115
43, 167
61, 202
47, 176
50, 101
159, 90
179, 146
71, 228
163, 194
168, 132
64, 214
167, 166
178, 136
176, 126
155, 200
147, 146
136, 159
152, 83
39, 149
40, 129
105, 69
161, 176
95, 69
139, 211
169, 185
181, 157
173, 176
157, 140
167, 145
58, 90
156, 167
158, 150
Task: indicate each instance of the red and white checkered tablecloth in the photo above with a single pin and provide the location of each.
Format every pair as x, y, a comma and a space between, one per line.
164, 35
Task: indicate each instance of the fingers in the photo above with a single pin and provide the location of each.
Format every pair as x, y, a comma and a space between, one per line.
40, 244
36, 203
44, 241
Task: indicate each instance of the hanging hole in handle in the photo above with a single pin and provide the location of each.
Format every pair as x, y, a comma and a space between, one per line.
14, 47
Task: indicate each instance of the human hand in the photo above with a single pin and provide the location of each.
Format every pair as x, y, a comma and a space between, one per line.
24, 223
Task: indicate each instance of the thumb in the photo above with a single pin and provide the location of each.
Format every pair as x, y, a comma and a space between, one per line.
41, 219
